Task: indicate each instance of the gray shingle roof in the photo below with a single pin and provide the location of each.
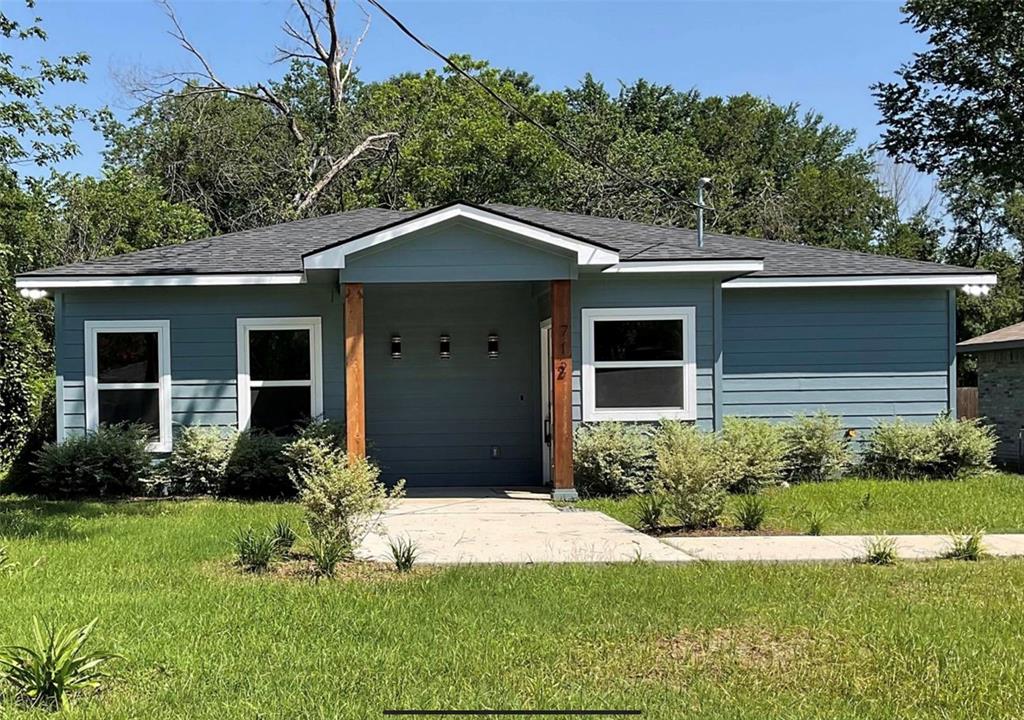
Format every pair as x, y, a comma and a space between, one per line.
280, 248
1009, 337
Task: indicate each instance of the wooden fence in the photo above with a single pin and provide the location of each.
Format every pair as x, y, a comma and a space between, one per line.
967, 402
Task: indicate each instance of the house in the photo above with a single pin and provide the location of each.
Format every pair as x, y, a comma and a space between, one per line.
1001, 387
462, 344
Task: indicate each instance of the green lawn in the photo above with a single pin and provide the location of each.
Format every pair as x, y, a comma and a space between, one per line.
994, 503
939, 639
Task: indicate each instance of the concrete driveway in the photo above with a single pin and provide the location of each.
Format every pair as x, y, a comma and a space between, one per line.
489, 525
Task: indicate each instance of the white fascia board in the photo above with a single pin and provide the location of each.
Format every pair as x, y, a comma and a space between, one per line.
586, 253
687, 266
100, 281
986, 279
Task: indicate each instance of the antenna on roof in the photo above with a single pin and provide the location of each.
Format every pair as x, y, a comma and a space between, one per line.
701, 184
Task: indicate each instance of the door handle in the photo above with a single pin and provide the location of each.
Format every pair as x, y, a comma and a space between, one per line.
547, 430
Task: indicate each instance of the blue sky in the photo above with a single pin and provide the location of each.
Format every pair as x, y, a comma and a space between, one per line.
823, 55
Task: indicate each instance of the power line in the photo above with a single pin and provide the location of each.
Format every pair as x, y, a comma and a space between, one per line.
559, 139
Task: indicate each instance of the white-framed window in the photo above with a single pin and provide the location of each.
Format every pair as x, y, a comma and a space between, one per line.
280, 377
639, 363
128, 376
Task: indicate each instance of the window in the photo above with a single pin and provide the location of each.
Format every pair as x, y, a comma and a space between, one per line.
279, 374
639, 364
128, 376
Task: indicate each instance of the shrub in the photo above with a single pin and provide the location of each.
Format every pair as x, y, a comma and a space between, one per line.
751, 512
816, 449
333, 431
326, 552
968, 545
650, 511
20, 476
343, 498
255, 551
965, 446
404, 553
55, 666
256, 468
880, 551
903, 450
610, 458
108, 462
284, 535
197, 463
691, 474
756, 451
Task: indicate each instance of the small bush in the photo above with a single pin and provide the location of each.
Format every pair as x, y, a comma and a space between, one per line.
880, 551
55, 667
343, 498
691, 474
404, 553
751, 512
968, 545
902, 450
109, 462
198, 461
756, 450
326, 552
965, 446
816, 522
650, 512
256, 468
255, 551
284, 536
612, 459
816, 448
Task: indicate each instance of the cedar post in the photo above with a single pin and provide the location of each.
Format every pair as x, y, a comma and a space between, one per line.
355, 406
561, 383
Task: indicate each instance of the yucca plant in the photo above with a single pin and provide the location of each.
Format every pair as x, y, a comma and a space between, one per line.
650, 512
327, 552
404, 553
55, 667
816, 521
751, 512
880, 551
284, 534
254, 551
968, 545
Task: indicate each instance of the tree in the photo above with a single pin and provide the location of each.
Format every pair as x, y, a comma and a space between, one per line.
957, 107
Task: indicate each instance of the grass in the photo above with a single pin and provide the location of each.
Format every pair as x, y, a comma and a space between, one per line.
203, 640
872, 507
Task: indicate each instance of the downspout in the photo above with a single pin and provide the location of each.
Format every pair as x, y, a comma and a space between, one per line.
701, 183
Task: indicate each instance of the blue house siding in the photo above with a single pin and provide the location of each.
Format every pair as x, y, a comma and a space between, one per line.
649, 290
866, 354
204, 363
458, 252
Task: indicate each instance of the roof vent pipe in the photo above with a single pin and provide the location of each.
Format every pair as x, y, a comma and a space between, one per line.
701, 184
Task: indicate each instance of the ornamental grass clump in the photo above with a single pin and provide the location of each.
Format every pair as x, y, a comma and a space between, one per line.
255, 551
968, 545
54, 667
751, 512
880, 551
612, 459
691, 474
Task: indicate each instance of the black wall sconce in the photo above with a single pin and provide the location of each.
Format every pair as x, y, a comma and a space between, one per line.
492, 345
445, 347
396, 347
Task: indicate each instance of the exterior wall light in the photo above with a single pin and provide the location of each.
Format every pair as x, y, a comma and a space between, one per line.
396, 347
492, 345
32, 294
445, 347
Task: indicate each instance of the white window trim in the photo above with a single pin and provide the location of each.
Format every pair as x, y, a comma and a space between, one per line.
245, 384
688, 365
162, 328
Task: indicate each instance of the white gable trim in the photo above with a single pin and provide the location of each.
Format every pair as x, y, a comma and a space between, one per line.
98, 281
586, 253
986, 279
686, 266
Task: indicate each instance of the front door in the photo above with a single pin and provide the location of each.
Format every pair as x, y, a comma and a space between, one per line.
545, 399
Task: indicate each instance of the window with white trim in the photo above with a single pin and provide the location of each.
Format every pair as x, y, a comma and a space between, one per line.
279, 373
639, 363
128, 376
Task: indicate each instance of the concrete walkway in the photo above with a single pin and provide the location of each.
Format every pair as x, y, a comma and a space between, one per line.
489, 525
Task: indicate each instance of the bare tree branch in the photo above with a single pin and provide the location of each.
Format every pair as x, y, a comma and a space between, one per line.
303, 200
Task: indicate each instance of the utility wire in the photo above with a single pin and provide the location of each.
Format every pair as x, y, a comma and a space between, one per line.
559, 139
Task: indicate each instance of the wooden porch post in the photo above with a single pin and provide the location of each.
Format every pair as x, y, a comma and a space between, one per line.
561, 384
355, 407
